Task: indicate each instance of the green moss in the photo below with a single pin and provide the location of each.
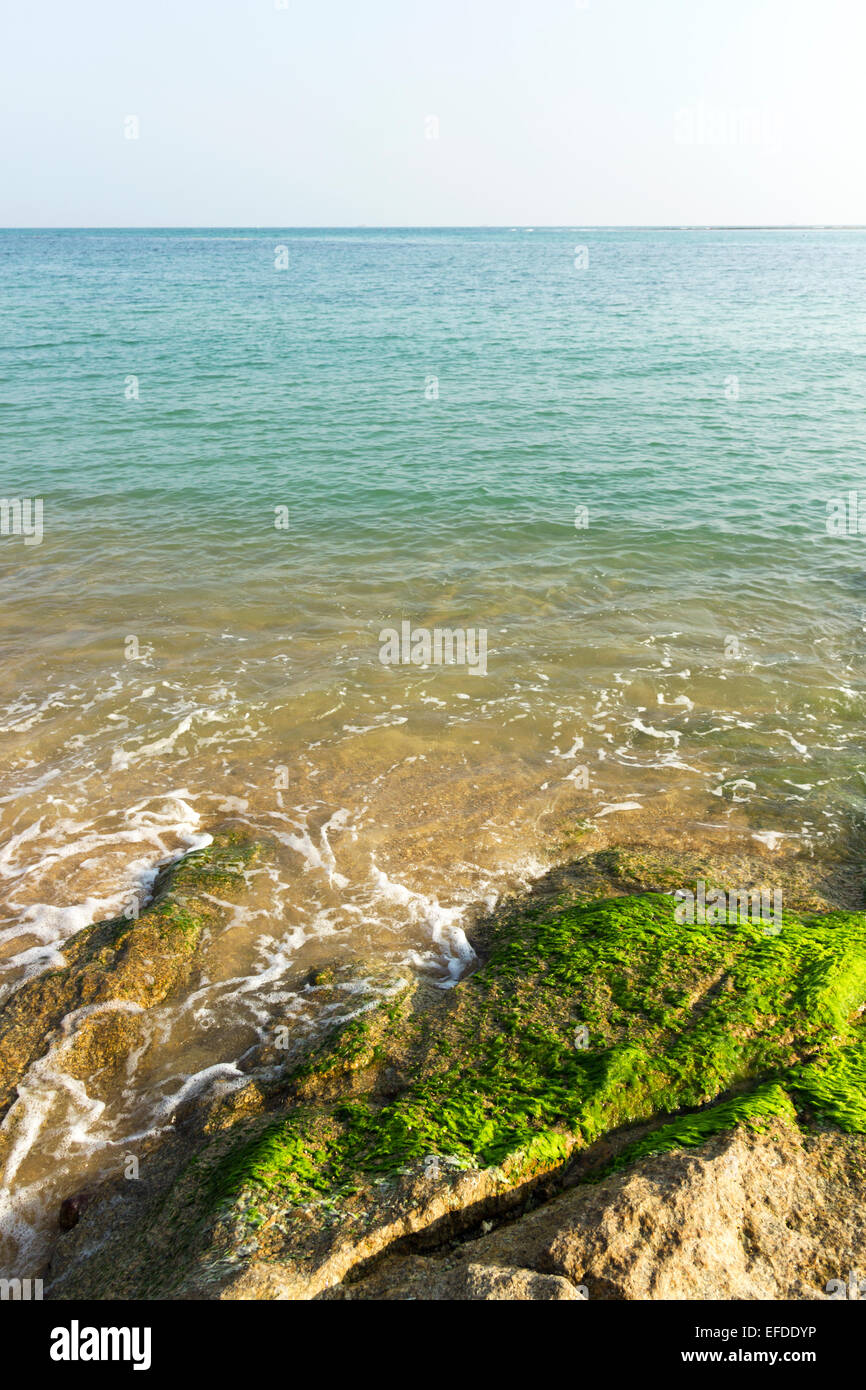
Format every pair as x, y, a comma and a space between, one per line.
180, 909
724, 1022
754, 1110
278, 1157
220, 864
140, 958
835, 1087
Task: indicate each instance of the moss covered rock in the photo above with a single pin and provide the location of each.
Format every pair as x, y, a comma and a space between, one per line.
775, 1215
595, 1033
584, 1020
132, 962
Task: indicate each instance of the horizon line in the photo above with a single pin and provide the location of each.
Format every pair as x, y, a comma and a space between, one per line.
442, 226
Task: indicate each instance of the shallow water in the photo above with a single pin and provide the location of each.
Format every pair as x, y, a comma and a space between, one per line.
688, 663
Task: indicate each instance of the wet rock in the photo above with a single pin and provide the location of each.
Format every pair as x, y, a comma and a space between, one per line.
391, 1083
596, 1035
71, 1209
120, 966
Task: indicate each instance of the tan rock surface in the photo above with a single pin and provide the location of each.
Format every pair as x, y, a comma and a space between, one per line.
773, 1216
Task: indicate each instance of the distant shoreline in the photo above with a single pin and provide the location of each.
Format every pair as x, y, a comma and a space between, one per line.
479, 227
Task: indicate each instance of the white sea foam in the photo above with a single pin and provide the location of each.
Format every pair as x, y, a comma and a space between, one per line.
771, 838
443, 923
159, 823
672, 734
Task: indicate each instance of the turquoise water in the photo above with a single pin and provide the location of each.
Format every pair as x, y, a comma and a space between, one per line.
306, 386
700, 393
432, 408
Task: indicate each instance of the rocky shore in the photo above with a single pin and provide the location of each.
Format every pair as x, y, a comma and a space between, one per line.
614, 1105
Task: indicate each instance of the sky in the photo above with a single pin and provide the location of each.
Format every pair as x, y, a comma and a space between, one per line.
293, 113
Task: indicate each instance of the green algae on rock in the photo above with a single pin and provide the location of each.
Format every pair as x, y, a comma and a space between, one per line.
676, 1015
775, 1215
128, 961
595, 1033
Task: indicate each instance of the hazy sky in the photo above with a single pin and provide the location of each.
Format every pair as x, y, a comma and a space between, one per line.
288, 113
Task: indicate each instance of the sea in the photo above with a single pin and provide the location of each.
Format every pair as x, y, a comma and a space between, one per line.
433, 556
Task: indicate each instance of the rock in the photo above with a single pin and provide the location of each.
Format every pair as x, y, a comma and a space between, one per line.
71, 1209
122, 965
602, 1047
492, 1283
746, 1216
417, 1279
